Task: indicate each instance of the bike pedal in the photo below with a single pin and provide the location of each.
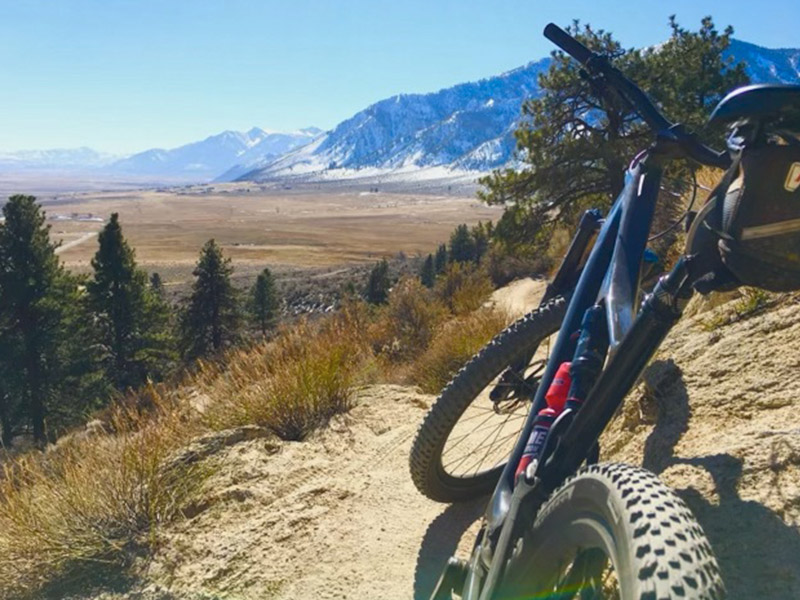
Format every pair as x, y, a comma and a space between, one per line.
452, 579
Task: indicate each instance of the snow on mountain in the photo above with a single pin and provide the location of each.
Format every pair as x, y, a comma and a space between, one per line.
767, 65
62, 159
215, 154
468, 127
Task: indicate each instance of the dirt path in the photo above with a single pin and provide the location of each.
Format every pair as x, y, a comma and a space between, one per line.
333, 517
84, 238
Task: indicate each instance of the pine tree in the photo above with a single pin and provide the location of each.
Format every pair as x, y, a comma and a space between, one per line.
481, 234
440, 260
35, 298
131, 320
211, 319
377, 291
264, 302
428, 273
575, 140
462, 246
157, 286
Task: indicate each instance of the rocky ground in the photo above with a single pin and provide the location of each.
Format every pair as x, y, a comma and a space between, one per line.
715, 415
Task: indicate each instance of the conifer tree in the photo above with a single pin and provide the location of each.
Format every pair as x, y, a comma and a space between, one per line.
428, 273
576, 139
131, 321
440, 260
462, 246
377, 291
157, 286
264, 302
481, 234
211, 317
36, 296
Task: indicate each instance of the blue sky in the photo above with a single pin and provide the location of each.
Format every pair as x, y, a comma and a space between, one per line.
126, 75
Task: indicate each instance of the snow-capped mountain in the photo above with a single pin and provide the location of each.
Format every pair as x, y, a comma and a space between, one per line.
468, 127
767, 65
215, 154
56, 159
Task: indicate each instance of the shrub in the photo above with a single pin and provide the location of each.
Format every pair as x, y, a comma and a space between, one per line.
504, 267
752, 302
407, 324
453, 346
463, 288
94, 501
294, 384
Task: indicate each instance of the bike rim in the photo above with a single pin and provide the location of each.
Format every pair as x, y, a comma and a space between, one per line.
486, 431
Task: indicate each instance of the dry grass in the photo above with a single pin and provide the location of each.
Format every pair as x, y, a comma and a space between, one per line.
454, 345
277, 227
94, 502
463, 288
294, 384
406, 325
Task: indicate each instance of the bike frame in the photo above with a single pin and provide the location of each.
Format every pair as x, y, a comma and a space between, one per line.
606, 301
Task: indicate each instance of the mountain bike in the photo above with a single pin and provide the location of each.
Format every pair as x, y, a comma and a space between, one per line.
523, 418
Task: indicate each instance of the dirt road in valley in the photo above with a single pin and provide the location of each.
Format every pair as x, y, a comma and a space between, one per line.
84, 238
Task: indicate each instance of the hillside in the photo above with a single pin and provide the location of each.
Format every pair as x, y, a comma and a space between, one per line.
336, 516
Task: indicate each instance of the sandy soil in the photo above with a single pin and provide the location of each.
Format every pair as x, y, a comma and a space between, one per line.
335, 516
716, 415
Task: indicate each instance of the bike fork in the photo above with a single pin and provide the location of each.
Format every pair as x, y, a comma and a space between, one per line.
575, 437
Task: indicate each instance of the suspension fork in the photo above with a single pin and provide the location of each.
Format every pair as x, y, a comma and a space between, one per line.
563, 282
576, 431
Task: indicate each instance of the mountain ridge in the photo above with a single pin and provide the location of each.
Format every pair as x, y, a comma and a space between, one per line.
468, 137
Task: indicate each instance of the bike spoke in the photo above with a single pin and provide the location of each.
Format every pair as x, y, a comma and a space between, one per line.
466, 456
511, 417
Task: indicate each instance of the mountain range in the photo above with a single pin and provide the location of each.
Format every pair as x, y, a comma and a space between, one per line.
208, 158
466, 127
463, 129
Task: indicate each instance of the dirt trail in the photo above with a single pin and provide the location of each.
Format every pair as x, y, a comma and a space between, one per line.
335, 516
716, 415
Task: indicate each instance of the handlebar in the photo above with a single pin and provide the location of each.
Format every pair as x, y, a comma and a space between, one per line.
598, 64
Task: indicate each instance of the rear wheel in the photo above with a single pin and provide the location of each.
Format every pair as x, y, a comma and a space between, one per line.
613, 531
468, 433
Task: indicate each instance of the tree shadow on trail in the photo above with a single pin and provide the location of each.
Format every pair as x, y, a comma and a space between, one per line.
758, 554
440, 542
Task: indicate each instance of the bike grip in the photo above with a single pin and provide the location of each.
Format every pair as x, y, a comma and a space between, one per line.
567, 43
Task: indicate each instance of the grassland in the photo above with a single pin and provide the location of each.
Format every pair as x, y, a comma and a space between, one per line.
258, 226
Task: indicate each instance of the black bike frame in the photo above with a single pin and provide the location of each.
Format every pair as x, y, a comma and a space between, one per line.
608, 281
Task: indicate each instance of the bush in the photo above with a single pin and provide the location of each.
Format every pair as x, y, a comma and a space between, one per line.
453, 346
504, 267
294, 384
407, 324
463, 288
752, 302
94, 501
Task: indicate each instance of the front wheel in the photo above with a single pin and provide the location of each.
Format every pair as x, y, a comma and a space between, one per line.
466, 437
613, 531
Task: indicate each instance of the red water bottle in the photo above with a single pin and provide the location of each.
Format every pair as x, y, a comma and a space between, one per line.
555, 397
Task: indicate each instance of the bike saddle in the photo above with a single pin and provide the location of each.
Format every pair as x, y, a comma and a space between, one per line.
764, 102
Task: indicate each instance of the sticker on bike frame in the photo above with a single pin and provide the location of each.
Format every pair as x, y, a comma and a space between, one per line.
793, 178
